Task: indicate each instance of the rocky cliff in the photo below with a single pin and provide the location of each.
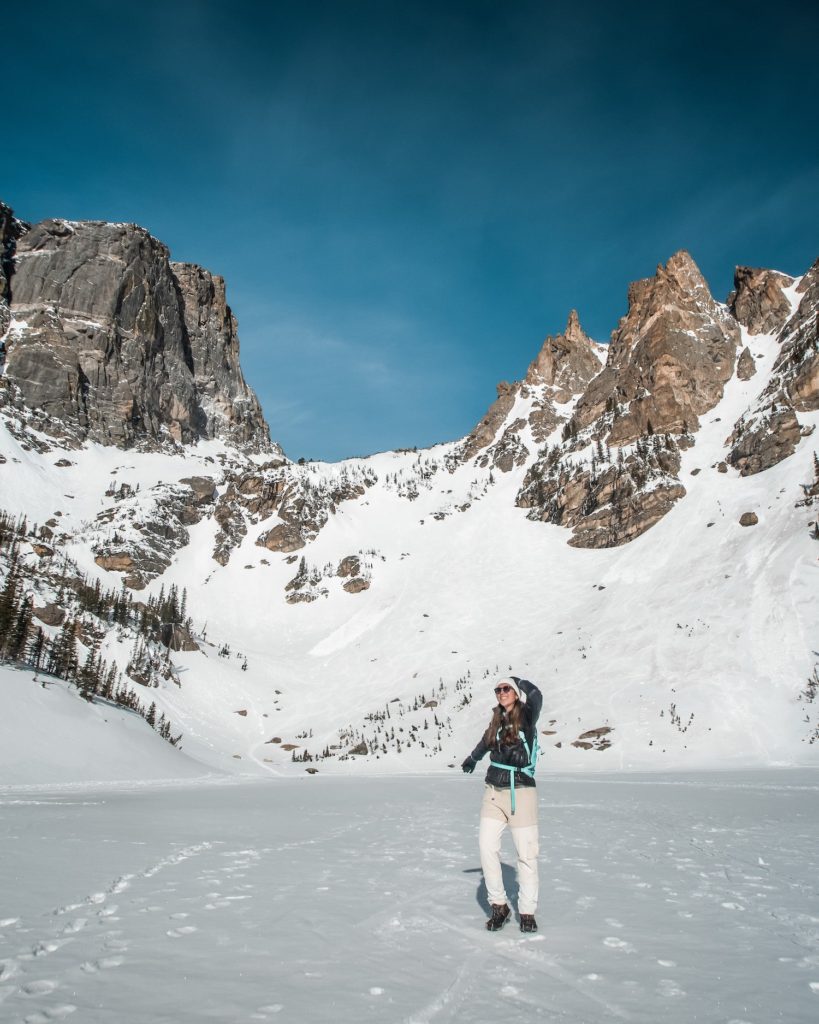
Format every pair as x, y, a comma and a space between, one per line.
114, 343
615, 471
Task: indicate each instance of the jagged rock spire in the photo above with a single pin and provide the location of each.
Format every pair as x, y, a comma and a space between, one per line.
670, 356
567, 361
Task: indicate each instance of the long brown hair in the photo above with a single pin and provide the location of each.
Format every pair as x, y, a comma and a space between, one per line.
509, 724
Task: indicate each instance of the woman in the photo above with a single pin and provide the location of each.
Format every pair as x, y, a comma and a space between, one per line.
510, 798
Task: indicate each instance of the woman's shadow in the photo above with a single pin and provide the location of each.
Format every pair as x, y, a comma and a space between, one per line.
510, 884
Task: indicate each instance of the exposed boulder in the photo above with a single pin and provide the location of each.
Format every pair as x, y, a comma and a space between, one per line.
51, 614
203, 489
746, 367
284, 537
356, 585
748, 519
349, 566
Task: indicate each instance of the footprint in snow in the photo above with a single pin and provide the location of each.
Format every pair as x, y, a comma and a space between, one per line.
53, 1013
613, 942
7, 921
75, 926
177, 933
38, 988
732, 906
105, 963
43, 949
669, 989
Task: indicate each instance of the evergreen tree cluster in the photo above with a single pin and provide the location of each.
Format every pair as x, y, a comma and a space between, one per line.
28, 645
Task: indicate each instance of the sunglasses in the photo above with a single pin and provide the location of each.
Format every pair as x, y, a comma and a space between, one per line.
504, 689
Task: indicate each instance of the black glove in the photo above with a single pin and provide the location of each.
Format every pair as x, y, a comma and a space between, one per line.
469, 765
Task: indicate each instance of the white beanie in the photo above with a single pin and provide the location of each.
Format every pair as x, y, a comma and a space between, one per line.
513, 683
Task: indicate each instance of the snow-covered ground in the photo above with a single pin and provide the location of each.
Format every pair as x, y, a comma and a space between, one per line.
674, 898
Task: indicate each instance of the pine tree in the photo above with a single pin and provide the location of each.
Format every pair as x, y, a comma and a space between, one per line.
9, 608
88, 677
20, 633
36, 650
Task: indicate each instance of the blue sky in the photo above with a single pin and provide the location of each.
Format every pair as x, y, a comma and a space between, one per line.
405, 198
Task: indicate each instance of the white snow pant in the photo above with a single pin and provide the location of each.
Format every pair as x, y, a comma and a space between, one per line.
496, 815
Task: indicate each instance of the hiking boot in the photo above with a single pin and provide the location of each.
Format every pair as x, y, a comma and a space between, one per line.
500, 915
528, 923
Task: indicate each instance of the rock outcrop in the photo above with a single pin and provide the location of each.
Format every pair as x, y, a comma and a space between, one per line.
227, 406
769, 430
140, 534
669, 358
561, 371
605, 501
758, 300
118, 344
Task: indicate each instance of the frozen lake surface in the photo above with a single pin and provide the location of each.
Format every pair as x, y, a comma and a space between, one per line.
664, 898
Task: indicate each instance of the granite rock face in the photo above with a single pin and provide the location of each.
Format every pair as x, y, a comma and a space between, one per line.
758, 300
115, 345
227, 406
614, 472
566, 362
769, 430
669, 358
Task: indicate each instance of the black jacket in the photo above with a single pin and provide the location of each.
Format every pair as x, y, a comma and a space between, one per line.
515, 753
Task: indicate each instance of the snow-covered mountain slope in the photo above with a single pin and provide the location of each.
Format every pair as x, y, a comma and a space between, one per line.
52, 736
354, 616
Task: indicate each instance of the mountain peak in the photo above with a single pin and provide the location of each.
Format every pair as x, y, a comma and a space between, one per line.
567, 361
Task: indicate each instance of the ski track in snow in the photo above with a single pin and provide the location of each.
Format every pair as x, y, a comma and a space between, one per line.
361, 899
